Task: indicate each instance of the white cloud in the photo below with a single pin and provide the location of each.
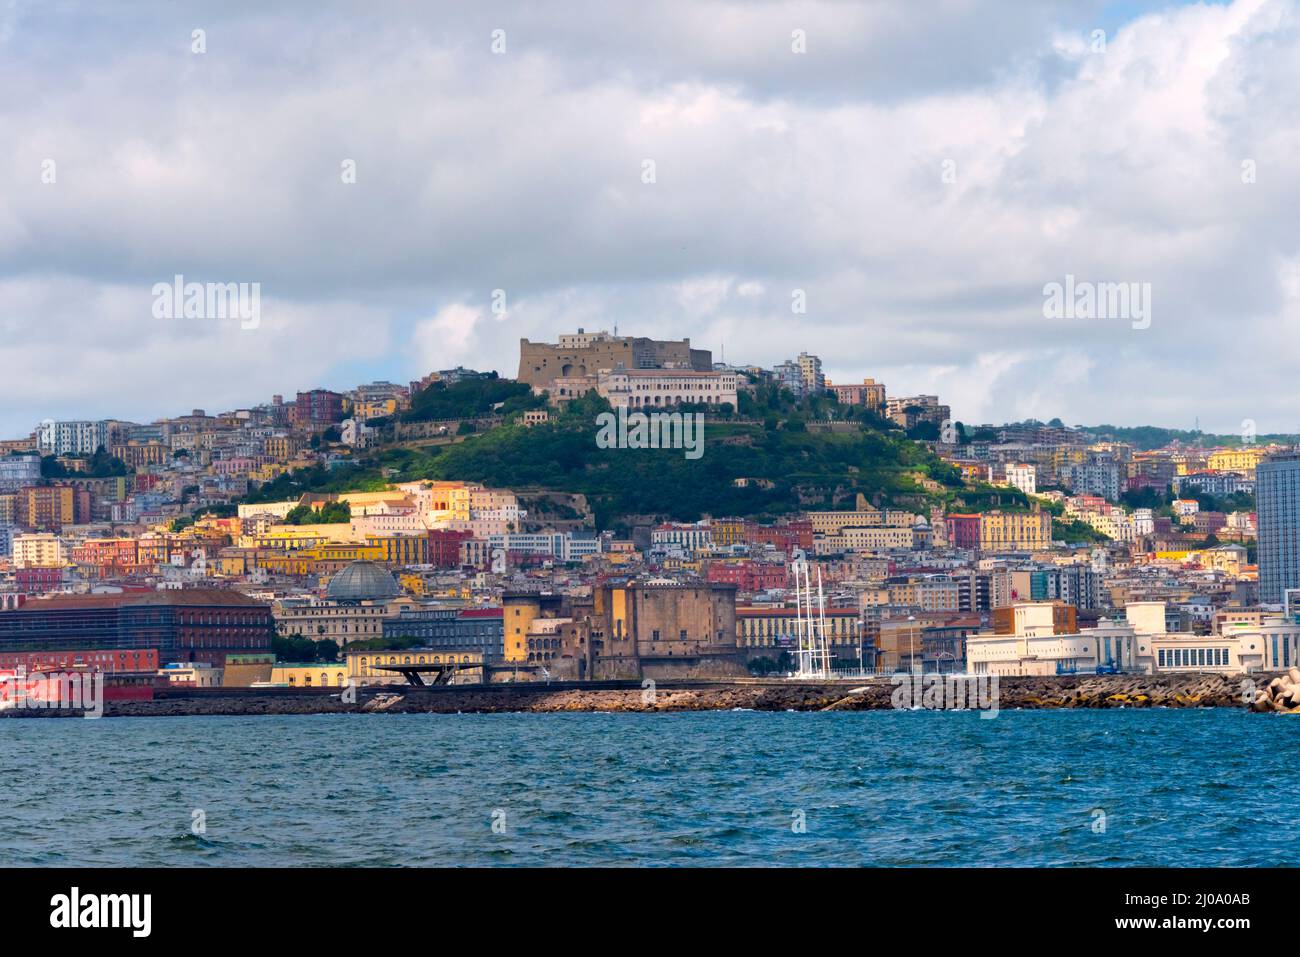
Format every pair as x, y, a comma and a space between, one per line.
775, 171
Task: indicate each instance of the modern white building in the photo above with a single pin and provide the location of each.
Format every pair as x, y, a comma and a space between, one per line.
563, 546
1035, 651
1139, 644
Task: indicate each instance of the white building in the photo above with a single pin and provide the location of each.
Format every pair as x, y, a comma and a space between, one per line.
71, 438
562, 546
1023, 476
660, 388
1037, 651
1240, 648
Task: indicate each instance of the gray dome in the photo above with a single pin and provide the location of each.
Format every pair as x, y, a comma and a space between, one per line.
362, 581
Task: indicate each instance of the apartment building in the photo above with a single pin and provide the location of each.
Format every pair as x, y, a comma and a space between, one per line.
870, 394
80, 437
1015, 531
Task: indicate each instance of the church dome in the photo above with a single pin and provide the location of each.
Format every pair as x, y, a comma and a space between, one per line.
362, 581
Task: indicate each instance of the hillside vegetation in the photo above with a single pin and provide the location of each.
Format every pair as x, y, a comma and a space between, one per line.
762, 469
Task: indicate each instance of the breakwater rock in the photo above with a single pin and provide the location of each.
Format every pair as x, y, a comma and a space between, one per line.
1281, 693
881, 693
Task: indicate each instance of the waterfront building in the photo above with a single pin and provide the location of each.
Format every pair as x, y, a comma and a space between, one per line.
448, 629
313, 675
627, 629
364, 666
190, 624
109, 660
769, 631
322, 620
191, 674
1035, 645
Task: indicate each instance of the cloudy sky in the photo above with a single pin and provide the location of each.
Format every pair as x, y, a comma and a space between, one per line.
917, 176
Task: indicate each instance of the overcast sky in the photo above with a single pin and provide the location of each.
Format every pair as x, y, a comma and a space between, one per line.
920, 173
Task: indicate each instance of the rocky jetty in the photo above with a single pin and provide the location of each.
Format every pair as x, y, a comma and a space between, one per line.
876, 694
1279, 694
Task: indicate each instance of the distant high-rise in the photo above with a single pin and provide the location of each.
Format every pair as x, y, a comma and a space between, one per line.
1277, 492
810, 370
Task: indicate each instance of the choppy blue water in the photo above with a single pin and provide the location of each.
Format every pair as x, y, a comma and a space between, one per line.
1188, 788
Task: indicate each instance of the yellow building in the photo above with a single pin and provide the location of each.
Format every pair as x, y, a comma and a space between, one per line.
281, 447
138, 455
373, 408
760, 627
519, 611
863, 540
1236, 460
362, 665
831, 523
1015, 531
310, 676
728, 531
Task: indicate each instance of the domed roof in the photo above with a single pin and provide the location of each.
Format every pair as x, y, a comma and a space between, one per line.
362, 581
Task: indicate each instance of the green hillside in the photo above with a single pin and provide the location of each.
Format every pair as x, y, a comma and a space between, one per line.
783, 467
